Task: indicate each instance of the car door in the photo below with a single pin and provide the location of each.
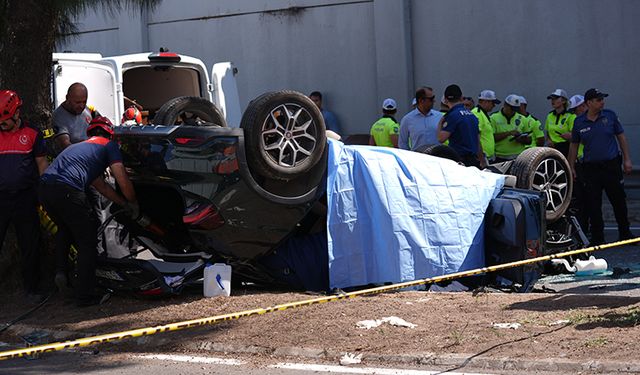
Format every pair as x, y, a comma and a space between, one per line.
225, 92
99, 78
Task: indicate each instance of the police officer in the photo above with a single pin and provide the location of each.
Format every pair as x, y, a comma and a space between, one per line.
578, 207
62, 192
606, 157
511, 131
460, 127
486, 102
537, 130
22, 160
556, 123
384, 132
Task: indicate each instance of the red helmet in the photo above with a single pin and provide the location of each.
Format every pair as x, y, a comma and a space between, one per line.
131, 116
102, 123
9, 104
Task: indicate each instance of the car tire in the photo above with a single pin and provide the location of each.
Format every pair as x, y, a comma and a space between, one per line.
439, 150
284, 133
546, 170
190, 111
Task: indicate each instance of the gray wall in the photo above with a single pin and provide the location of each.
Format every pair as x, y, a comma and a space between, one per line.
359, 52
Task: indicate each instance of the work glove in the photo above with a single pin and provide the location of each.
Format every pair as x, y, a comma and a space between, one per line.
132, 209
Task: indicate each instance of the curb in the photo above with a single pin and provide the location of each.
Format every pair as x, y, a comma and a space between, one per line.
448, 362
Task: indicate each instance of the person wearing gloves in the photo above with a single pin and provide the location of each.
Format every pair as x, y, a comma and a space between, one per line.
62, 192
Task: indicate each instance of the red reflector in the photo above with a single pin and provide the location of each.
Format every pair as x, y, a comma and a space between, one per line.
152, 292
188, 141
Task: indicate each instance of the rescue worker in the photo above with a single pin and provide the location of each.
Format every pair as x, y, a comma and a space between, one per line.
63, 193
22, 160
606, 158
460, 127
510, 130
537, 130
486, 102
420, 126
556, 125
132, 116
384, 132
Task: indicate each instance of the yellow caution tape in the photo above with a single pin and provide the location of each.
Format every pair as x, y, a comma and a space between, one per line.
111, 337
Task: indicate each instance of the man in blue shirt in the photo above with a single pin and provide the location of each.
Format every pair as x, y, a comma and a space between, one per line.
420, 126
330, 120
603, 138
460, 127
62, 191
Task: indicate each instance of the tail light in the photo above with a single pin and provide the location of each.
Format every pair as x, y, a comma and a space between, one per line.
203, 216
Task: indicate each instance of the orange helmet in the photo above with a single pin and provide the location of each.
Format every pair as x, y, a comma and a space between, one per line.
101, 122
9, 104
131, 116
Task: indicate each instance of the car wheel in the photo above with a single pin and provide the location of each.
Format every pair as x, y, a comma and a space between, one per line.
191, 111
546, 170
439, 150
285, 135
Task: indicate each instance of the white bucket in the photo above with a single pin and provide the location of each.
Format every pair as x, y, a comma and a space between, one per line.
591, 266
217, 280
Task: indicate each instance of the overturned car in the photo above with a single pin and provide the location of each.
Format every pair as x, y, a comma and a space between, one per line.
241, 195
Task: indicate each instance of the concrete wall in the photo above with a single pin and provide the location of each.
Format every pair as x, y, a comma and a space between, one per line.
359, 52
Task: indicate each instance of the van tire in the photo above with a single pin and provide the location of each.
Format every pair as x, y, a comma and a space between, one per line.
279, 145
545, 169
190, 111
439, 150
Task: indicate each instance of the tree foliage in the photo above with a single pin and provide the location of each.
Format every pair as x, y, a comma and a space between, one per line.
29, 30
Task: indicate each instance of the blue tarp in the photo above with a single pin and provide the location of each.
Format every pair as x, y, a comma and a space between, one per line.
396, 215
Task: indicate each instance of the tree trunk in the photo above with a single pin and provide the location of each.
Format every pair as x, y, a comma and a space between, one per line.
25, 56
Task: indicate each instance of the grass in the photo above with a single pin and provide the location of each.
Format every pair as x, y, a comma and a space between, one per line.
596, 342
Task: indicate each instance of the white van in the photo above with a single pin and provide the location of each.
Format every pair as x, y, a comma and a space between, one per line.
149, 79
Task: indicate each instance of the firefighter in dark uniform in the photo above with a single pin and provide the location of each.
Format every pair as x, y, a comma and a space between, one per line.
22, 160
63, 193
606, 158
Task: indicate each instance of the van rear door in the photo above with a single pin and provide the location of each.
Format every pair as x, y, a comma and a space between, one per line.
225, 92
99, 78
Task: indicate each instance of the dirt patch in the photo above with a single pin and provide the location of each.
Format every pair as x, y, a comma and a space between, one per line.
551, 325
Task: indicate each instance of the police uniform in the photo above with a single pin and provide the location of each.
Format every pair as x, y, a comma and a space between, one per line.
537, 130
463, 128
487, 141
508, 148
62, 192
557, 124
18, 198
383, 129
602, 170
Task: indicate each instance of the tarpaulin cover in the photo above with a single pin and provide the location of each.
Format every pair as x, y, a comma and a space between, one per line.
396, 215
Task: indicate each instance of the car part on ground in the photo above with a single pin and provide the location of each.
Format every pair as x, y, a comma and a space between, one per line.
285, 135
189, 110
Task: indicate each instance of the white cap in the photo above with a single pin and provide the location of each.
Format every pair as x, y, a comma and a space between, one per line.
575, 101
512, 100
523, 100
489, 95
558, 92
443, 100
389, 104
413, 101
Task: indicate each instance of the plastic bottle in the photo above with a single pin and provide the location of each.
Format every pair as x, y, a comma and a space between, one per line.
217, 280
590, 266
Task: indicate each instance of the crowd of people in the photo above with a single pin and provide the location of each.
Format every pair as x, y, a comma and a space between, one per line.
588, 135
69, 189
